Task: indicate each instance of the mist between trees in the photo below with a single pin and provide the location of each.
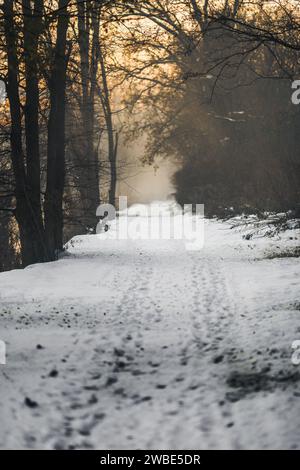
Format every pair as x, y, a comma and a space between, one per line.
205, 83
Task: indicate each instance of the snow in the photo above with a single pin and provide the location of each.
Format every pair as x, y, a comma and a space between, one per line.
145, 344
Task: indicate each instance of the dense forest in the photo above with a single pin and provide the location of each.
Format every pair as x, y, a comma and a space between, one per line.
207, 83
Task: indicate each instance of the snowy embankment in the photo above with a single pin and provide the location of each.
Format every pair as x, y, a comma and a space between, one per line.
143, 344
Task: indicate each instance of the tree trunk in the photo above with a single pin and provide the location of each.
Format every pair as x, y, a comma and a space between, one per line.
112, 145
56, 137
87, 17
28, 218
32, 29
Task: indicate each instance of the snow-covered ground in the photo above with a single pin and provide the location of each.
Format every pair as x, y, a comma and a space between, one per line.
145, 344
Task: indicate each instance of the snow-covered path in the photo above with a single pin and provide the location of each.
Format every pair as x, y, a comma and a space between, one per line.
143, 344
